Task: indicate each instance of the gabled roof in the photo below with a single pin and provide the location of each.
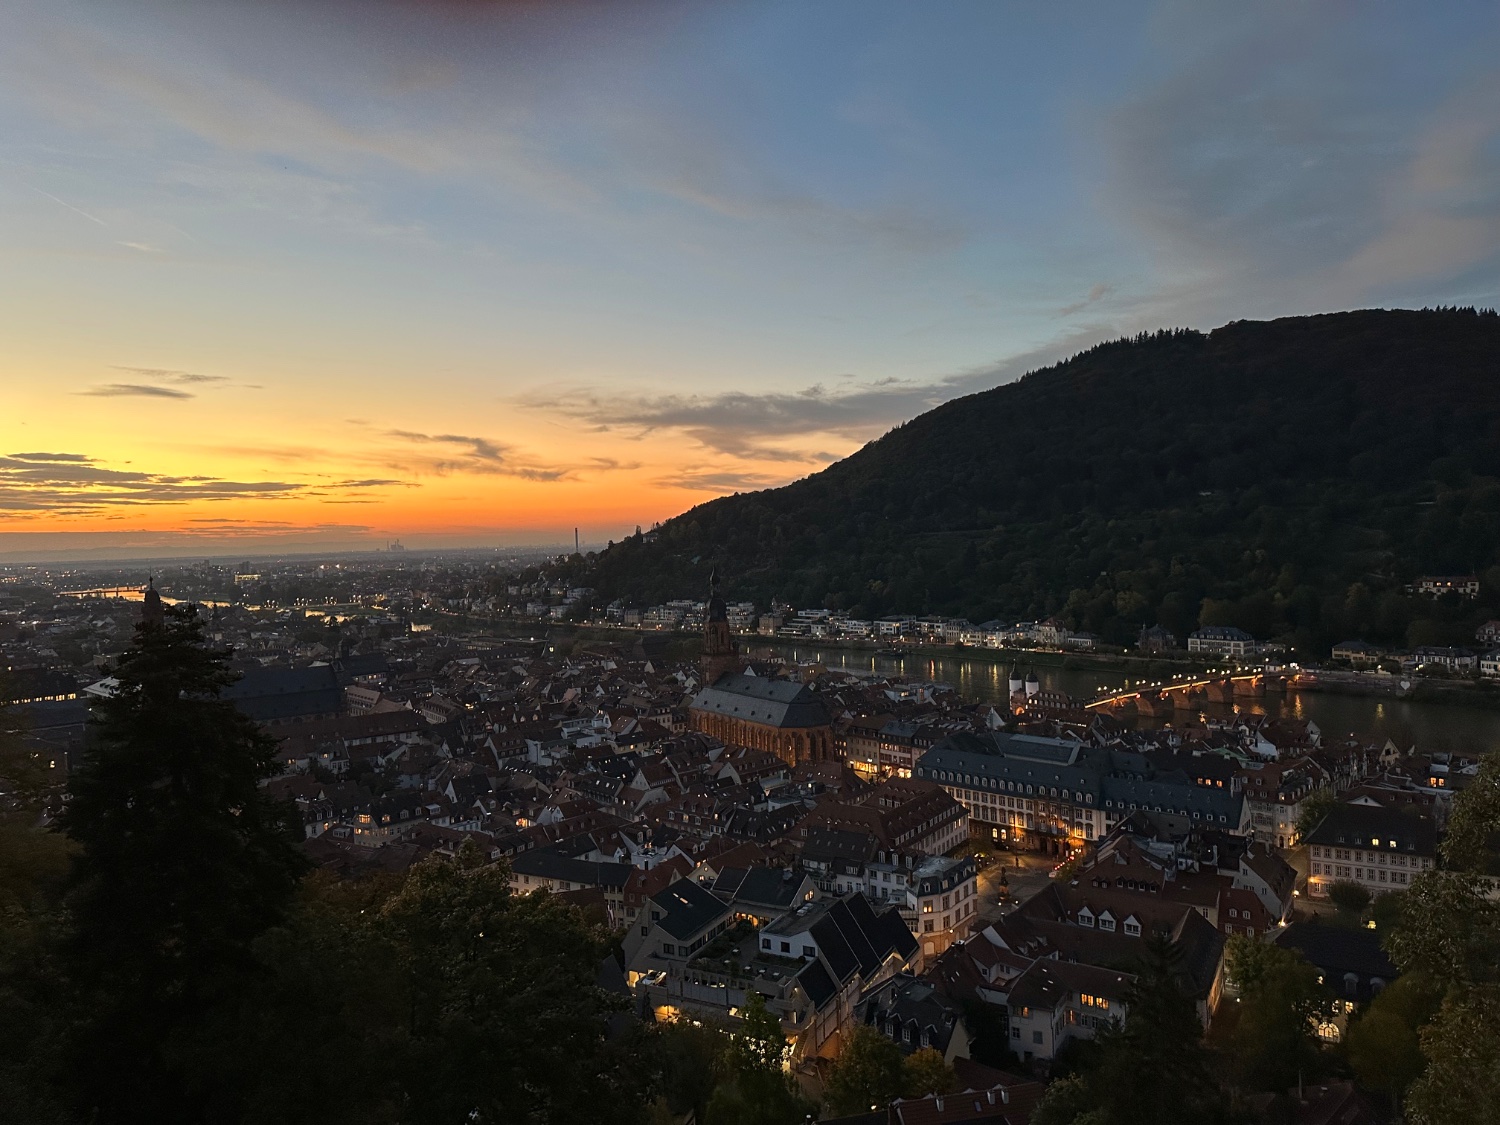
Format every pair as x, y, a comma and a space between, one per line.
547, 863
266, 694
1359, 826
816, 982
842, 961
769, 886
779, 703
687, 909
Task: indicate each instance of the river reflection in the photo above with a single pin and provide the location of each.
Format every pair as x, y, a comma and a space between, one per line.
1428, 726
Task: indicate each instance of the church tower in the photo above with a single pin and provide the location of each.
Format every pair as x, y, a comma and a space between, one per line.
152, 613
720, 653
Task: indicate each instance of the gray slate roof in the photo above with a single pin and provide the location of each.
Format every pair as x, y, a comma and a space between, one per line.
687, 909
269, 694
547, 863
780, 703
1356, 826
1010, 763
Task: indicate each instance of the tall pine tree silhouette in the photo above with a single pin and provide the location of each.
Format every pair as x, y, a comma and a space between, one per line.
183, 861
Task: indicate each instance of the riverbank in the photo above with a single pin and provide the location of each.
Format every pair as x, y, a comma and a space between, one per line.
1436, 715
903, 659
1154, 667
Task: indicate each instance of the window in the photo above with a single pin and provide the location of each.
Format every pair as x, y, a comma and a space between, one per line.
1036, 1037
786, 947
927, 925
669, 949
1133, 928
1015, 1033
1107, 924
809, 951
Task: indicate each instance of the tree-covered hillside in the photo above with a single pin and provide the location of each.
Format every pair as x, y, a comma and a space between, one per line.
1287, 476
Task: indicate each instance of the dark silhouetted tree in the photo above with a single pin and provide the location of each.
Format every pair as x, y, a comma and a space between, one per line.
182, 862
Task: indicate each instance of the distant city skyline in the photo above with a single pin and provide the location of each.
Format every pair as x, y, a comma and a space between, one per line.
317, 276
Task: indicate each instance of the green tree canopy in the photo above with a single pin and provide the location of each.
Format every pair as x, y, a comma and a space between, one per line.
1449, 938
182, 862
1282, 1000
1097, 490
1349, 897
1155, 1069
867, 1075
753, 1088
927, 1072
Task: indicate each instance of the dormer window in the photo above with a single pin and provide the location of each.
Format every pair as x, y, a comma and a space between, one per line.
1106, 922
1132, 927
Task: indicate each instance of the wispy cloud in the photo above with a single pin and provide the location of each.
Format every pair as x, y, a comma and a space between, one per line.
142, 390
479, 455
75, 483
1096, 293
259, 528
1268, 178
171, 375
479, 449
74, 458
718, 481
747, 426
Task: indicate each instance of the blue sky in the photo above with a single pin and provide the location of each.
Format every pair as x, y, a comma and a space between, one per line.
644, 252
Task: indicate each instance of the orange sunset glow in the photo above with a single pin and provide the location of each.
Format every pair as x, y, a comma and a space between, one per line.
326, 275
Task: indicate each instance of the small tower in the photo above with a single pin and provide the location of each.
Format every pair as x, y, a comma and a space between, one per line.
1017, 685
720, 653
1033, 685
152, 614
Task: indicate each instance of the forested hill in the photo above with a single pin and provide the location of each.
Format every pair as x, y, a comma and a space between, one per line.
1287, 476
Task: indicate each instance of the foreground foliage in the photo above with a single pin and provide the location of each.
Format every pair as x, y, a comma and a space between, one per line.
169, 959
1152, 1070
872, 1071
1449, 939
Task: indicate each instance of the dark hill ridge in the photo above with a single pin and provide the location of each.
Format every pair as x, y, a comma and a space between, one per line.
1295, 472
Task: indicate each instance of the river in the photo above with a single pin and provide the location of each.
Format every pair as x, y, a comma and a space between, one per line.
1428, 726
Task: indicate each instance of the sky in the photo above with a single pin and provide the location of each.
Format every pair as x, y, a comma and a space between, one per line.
323, 274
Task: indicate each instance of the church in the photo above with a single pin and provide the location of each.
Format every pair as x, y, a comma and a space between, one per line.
740, 709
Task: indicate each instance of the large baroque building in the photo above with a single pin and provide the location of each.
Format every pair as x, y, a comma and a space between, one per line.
1054, 794
1380, 849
